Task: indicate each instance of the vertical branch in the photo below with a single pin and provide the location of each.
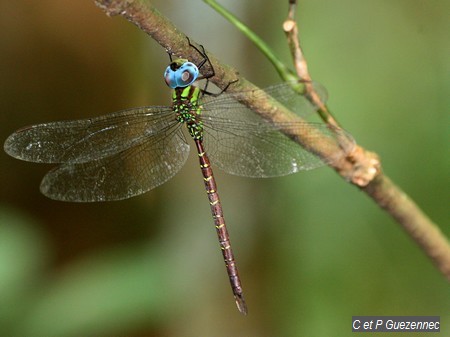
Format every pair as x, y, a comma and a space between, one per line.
368, 175
365, 165
301, 67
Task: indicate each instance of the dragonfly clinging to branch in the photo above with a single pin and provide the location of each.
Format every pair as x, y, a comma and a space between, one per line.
127, 153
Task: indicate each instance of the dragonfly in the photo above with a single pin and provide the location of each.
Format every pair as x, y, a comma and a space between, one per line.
129, 152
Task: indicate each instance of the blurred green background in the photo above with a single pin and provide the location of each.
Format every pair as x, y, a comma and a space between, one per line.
312, 249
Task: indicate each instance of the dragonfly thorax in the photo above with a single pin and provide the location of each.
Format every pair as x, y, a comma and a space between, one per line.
186, 106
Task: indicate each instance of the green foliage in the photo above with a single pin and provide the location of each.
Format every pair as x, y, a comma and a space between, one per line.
312, 249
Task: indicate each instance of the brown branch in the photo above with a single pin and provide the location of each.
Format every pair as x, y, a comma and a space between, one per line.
300, 64
364, 165
361, 167
371, 180
419, 227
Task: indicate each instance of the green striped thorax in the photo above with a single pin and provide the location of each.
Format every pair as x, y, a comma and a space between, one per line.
179, 75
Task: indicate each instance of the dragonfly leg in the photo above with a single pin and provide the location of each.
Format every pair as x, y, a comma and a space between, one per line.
205, 92
205, 60
210, 74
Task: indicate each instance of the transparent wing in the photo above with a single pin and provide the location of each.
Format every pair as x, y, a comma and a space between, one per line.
88, 139
240, 142
293, 100
282, 92
127, 173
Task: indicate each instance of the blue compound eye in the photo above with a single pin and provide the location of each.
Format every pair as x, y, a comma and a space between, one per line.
169, 77
180, 75
187, 74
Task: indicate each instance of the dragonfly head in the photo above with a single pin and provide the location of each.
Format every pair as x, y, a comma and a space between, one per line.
180, 73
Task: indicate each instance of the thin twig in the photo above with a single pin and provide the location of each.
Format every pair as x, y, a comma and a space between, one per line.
366, 165
361, 168
285, 72
381, 189
301, 66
